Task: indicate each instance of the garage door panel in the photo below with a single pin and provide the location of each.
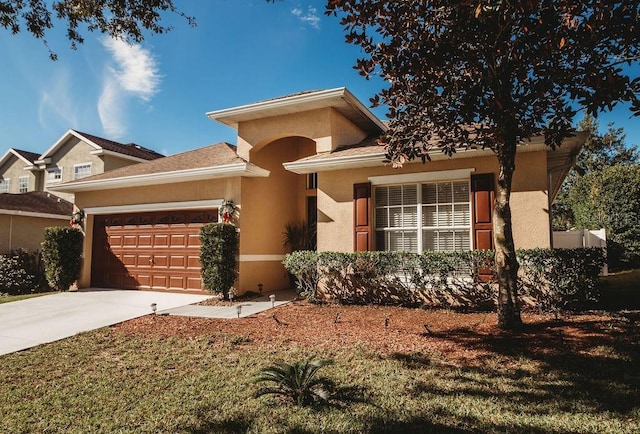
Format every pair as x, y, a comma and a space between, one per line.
157, 250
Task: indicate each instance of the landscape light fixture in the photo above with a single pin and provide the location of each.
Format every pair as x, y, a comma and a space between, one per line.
154, 307
239, 310
231, 296
260, 288
272, 297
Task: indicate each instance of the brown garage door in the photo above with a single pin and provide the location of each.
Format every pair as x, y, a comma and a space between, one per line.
159, 250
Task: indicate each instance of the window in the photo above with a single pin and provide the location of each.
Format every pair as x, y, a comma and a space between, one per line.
23, 184
54, 174
81, 170
312, 181
4, 185
426, 216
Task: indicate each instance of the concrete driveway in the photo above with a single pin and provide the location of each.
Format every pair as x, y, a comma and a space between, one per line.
27, 323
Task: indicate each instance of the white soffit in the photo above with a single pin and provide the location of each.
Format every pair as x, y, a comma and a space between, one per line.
407, 178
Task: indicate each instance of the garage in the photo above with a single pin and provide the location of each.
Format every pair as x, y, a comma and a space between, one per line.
149, 250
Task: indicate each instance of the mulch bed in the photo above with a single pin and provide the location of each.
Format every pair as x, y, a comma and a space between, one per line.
466, 338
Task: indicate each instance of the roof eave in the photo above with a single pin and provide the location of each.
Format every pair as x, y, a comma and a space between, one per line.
225, 171
102, 151
263, 109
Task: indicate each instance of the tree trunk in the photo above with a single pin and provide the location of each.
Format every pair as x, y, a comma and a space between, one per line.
505, 257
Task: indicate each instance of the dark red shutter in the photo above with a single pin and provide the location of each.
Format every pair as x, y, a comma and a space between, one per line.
362, 221
482, 196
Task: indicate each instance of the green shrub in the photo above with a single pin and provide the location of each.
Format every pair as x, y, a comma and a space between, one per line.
550, 279
22, 272
219, 247
61, 254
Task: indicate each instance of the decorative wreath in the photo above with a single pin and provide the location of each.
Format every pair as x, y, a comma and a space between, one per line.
77, 218
227, 210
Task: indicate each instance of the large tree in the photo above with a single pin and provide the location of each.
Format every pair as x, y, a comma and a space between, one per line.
126, 19
490, 74
600, 150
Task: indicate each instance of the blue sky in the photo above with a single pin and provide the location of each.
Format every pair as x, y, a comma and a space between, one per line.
157, 94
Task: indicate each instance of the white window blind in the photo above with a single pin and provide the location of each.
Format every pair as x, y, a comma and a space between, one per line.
427, 216
23, 184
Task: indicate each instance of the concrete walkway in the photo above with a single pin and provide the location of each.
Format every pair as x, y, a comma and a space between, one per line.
27, 323
247, 308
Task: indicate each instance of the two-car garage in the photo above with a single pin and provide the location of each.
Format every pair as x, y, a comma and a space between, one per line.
149, 250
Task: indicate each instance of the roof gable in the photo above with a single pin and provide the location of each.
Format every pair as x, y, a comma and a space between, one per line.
129, 151
27, 157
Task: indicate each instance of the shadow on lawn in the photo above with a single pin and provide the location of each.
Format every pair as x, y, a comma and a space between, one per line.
592, 362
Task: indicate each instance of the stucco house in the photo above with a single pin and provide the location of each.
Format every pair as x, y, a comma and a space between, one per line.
24, 214
310, 156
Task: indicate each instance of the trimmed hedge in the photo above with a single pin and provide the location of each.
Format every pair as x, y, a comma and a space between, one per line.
218, 251
22, 272
62, 253
550, 279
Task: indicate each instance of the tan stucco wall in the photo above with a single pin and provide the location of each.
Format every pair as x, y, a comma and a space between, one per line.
73, 151
267, 205
111, 162
528, 200
13, 169
20, 232
180, 192
328, 128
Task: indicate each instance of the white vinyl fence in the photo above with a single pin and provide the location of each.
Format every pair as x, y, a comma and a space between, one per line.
581, 238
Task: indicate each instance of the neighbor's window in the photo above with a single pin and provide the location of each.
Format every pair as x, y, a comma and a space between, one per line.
81, 170
23, 184
425, 216
4, 185
54, 174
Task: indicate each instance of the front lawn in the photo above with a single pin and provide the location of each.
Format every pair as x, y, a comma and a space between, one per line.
10, 298
458, 374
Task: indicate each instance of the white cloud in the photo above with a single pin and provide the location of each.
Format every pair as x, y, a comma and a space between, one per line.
56, 102
110, 107
133, 73
311, 17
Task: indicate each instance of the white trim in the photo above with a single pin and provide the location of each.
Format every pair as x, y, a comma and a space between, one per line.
102, 151
19, 213
408, 178
51, 170
261, 258
335, 163
45, 156
6, 185
149, 207
75, 166
16, 154
20, 180
296, 103
225, 171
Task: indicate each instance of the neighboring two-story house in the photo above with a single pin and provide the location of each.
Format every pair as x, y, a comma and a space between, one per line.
28, 205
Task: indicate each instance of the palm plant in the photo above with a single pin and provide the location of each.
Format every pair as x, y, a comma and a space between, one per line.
297, 382
299, 236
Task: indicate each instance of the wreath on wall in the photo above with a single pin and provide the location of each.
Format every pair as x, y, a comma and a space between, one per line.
227, 210
77, 218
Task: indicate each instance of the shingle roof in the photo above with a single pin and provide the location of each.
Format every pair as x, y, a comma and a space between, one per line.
219, 154
35, 201
130, 149
31, 156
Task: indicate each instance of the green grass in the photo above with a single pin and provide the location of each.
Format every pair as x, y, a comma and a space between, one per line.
10, 298
106, 382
